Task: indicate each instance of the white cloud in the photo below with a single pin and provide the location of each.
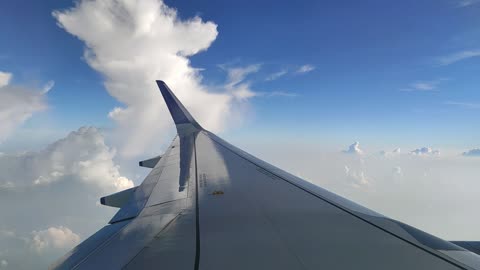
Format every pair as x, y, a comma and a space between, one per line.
424, 151
424, 85
276, 75
354, 149
472, 153
397, 170
357, 177
5, 78
63, 184
17, 104
133, 43
458, 56
466, 3
235, 75
48, 86
236, 83
54, 237
466, 105
3, 264
420, 191
243, 91
278, 94
305, 69
392, 153
283, 72
82, 155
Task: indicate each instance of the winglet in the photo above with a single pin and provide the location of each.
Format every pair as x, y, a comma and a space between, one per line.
179, 114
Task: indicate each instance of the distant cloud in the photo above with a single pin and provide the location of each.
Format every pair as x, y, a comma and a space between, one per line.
238, 74
242, 91
424, 85
236, 83
299, 70
54, 237
276, 75
17, 104
357, 177
5, 78
466, 105
82, 155
395, 151
3, 264
425, 151
466, 3
277, 94
48, 86
397, 170
472, 153
281, 94
458, 56
305, 69
354, 149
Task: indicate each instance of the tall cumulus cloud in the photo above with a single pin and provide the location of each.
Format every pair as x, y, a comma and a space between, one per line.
134, 43
82, 155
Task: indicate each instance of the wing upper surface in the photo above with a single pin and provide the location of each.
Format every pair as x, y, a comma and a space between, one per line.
274, 219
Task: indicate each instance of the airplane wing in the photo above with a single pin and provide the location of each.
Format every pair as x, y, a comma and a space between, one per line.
209, 205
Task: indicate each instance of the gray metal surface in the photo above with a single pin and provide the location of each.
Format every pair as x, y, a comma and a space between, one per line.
209, 205
118, 199
149, 163
473, 246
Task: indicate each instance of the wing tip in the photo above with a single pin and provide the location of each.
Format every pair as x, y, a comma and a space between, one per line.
160, 82
178, 112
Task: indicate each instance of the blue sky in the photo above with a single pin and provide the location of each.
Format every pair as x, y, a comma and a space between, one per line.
364, 54
296, 84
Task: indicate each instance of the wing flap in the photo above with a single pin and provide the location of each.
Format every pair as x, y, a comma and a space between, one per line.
150, 163
118, 199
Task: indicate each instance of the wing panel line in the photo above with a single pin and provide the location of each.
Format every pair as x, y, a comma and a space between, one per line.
197, 210
104, 243
163, 229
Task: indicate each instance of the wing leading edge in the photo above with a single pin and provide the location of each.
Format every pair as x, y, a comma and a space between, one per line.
209, 205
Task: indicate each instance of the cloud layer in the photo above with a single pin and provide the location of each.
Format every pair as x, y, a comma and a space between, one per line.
305, 69
82, 155
423, 151
55, 197
17, 104
132, 44
435, 193
459, 56
424, 85
54, 237
472, 153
